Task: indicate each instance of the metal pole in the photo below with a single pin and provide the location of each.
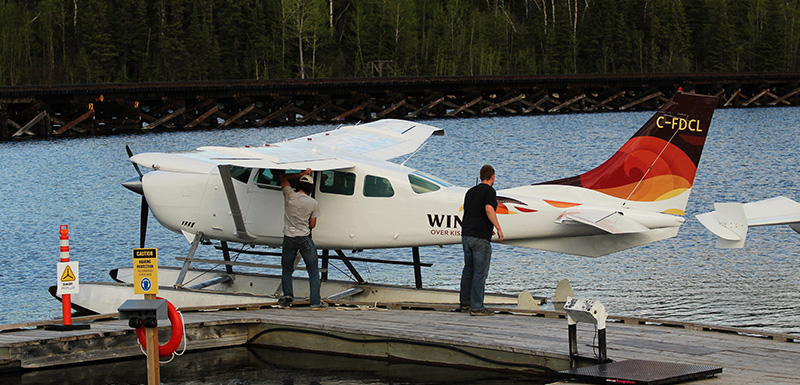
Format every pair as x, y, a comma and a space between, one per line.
325, 255
417, 268
573, 345
601, 341
226, 255
66, 299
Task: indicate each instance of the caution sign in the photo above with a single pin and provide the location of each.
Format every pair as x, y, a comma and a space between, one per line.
67, 278
145, 271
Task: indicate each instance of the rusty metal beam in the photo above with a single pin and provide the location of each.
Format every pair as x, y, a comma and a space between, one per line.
235, 118
25, 130
503, 104
783, 98
285, 109
733, 97
165, 119
640, 101
315, 112
426, 107
466, 106
567, 103
203, 117
538, 104
755, 98
391, 109
352, 111
606, 101
75, 122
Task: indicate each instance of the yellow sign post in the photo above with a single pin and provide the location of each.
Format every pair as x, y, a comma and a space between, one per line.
145, 271
145, 281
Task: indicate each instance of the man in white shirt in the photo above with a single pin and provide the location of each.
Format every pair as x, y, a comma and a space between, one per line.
300, 216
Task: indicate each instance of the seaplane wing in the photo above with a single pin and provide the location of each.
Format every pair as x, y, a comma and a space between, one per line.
637, 196
730, 221
205, 159
382, 140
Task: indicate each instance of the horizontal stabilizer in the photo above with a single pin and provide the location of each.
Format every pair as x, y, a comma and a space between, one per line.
773, 211
730, 221
612, 222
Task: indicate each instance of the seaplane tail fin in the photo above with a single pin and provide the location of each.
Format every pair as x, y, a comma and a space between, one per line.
660, 161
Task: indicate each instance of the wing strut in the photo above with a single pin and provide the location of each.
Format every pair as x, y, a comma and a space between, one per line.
233, 202
417, 267
182, 276
350, 266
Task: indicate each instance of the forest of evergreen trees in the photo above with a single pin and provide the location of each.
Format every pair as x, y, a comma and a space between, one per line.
98, 41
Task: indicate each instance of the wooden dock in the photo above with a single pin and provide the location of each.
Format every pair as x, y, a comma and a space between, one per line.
534, 342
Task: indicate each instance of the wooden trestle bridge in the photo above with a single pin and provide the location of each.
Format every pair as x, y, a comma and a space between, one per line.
99, 109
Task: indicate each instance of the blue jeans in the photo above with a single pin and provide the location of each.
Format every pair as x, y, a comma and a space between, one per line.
307, 248
477, 256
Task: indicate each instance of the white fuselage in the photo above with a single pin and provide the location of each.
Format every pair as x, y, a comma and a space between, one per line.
361, 218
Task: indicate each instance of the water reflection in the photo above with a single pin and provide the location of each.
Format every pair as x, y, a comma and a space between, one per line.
259, 366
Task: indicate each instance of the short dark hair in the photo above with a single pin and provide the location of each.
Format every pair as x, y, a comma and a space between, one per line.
487, 172
307, 187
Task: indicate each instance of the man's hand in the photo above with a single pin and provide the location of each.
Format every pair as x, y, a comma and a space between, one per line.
285, 177
493, 218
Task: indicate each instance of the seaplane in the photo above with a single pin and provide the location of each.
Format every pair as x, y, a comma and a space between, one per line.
368, 201
730, 221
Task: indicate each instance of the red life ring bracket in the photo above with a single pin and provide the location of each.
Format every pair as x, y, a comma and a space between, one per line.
174, 342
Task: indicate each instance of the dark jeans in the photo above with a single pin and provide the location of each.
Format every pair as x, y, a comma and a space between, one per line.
477, 256
306, 247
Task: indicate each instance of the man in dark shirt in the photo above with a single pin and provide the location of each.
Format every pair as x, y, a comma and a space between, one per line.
480, 217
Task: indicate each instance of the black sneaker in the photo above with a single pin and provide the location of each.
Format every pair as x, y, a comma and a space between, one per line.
285, 301
321, 306
463, 308
481, 312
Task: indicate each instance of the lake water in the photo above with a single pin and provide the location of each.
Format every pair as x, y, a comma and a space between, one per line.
750, 154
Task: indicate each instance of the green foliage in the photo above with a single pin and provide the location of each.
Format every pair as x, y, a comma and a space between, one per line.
16, 35
71, 41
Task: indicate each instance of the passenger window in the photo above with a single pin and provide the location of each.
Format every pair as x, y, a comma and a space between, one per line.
240, 173
421, 185
375, 186
337, 182
265, 178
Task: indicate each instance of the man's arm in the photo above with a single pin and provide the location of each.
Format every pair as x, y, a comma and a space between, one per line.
285, 177
312, 223
493, 218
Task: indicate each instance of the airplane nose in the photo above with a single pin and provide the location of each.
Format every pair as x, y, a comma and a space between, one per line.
134, 184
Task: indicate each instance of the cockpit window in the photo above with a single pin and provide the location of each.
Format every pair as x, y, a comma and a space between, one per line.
422, 184
375, 186
337, 182
240, 173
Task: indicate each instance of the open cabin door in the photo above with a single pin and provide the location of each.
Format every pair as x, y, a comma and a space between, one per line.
264, 213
